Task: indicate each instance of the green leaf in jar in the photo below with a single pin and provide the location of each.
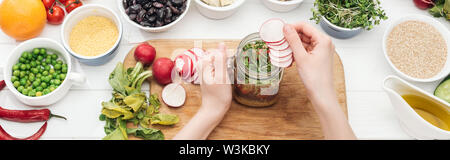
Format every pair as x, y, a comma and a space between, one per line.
164, 119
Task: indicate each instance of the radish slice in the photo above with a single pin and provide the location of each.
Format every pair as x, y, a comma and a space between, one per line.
183, 64
278, 44
281, 47
271, 31
280, 59
282, 64
194, 61
280, 54
174, 95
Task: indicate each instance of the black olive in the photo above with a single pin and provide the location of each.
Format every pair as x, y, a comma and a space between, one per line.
177, 2
159, 23
151, 18
151, 10
160, 13
132, 16
140, 16
174, 10
168, 12
135, 8
146, 24
158, 5
148, 5
125, 3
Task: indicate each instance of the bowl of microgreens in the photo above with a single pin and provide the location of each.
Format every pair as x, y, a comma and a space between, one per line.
346, 19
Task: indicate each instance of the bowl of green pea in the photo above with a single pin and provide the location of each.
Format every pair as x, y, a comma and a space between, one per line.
39, 72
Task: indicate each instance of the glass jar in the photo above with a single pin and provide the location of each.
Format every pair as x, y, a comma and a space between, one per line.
256, 80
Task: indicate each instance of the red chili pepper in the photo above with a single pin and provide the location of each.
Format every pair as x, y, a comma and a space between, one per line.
5, 136
2, 84
27, 115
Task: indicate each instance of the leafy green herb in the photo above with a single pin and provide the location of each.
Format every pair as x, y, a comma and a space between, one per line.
130, 104
164, 119
146, 133
349, 13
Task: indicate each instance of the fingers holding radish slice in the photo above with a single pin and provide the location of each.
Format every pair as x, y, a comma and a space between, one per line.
174, 95
282, 64
271, 31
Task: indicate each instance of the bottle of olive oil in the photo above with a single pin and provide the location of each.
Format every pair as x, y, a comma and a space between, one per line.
433, 113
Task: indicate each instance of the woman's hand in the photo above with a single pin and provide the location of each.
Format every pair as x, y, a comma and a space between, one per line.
313, 54
216, 96
215, 86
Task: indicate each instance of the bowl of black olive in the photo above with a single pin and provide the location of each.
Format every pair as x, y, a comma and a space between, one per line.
153, 15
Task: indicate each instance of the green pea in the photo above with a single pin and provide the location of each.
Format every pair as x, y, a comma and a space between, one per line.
40, 58
44, 85
57, 82
32, 93
55, 75
46, 91
59, 62
14, 78
43, 51
28, 83
33, 63
38, 80
39, 88
28, 66
23, 67
58, 66
36, 51
48, 61
38, 63
62, 76
22, 82
64, 69
38, 94
45, 73
25, 92
47, 68
51, 71
54, 62
52, 88
22, 60
22, 74
16, 84
54, 56
34, 70
16, 67
20, 88
29, 56
35, 84
16, 73
24, 55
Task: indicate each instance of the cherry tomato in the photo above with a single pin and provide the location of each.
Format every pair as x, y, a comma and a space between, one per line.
48, 3
72, 4
55, 15
62, 1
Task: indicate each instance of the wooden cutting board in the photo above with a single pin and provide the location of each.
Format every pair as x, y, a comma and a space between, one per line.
292, 117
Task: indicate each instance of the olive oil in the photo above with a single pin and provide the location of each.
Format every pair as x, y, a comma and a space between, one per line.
436, 114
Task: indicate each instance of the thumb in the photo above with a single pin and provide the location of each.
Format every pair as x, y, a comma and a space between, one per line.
293, 38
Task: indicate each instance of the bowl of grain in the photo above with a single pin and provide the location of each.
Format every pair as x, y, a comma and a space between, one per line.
92, 34
417, 48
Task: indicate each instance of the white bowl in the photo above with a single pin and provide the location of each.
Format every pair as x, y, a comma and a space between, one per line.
280, 6
59, 92
79, 14
151, 29
436, 24
218, 12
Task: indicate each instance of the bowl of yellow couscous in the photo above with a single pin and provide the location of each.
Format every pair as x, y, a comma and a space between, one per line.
92, 34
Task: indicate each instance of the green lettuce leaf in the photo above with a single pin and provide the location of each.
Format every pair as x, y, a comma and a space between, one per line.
146, 133
135, 101
164, 119
111, 110
118, 79
115, 135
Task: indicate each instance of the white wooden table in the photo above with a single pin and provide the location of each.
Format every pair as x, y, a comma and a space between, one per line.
370, 112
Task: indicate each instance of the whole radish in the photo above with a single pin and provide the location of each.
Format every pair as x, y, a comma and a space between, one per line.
423, 4
162, 70
145, 54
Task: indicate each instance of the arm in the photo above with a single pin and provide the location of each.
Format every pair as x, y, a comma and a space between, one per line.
313, 55
216, 97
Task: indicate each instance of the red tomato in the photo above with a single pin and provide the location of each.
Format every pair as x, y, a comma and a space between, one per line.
48, 3
72, 4
55, 15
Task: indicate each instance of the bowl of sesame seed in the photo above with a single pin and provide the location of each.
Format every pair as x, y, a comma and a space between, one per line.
417, 48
